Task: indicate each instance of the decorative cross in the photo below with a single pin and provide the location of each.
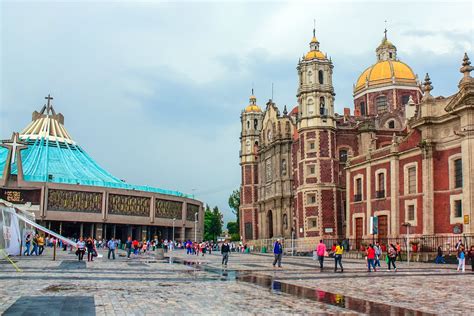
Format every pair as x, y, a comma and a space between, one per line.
314, 27
385, 29
13, 144
48, 106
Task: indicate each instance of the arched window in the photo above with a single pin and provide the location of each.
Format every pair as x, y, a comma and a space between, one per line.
255, 123
322, 108
381, 104
321, 77
285, 221
391, 124
248, 124
362, 108
310, 107
310, 76
405, 99
283, 167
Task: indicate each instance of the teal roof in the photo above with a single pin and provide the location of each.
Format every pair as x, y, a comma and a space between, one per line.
60, 162
52, 156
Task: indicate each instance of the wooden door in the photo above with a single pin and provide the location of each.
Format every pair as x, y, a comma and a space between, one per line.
383, 229
359, 231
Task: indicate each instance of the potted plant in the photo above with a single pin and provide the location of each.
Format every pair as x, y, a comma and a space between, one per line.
414, 245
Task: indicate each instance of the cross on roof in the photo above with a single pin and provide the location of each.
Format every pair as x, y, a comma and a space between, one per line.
13, 144
385, 29
48, 106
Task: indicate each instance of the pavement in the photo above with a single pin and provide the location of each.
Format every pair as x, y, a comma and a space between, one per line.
188, 284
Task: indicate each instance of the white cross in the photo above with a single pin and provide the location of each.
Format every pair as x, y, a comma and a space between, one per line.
14, 144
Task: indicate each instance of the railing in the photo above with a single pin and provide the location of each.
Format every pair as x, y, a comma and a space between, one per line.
417, 243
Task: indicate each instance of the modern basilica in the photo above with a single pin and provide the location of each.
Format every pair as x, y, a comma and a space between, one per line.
403, 155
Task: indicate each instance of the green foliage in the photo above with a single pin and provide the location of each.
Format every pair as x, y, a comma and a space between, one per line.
233, 228
234, 204
235, 237
212, 223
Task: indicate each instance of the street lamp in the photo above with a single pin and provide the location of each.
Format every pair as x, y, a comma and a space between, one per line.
407, 225
195, 226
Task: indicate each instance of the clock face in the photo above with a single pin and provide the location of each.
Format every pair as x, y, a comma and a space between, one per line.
269, 134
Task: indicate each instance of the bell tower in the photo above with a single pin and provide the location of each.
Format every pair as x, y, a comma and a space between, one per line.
317, 188
251, 125
315, 92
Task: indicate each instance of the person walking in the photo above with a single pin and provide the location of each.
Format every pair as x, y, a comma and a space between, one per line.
371, 258
35, 245
461, 258
27, 244
320, 252
338, 256
225, 249
40, 244
81, 248
111, 245
128, 246
440, 257
392, 256
470, 255
90, 249
399, 251
378, 254
278, 253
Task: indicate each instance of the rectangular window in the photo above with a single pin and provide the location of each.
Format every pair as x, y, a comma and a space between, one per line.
312, 223
412, 180
358, 195
381, 182
458, 173
311, 170
411, 212
458, 208
312, 199
311, 145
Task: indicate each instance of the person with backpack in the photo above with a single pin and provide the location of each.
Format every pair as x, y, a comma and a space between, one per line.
90, 246
321, 252
225, 249
392, 256
338, 256
378, 254
371, 258
35, 245
278, 253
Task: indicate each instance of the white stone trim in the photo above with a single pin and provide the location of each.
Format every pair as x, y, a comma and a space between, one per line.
451, 171
310, 227
405, 177
413, 202
452, 219
364, 230
384, 88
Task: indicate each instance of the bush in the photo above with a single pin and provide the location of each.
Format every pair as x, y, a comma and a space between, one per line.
235, 237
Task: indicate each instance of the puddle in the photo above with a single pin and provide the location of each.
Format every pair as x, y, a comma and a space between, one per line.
277, 287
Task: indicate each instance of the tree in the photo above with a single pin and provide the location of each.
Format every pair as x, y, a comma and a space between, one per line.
232, 227
212, 223
234, 204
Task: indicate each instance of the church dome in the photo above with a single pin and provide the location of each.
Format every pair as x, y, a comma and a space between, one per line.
253, 107
386, 71
314, 54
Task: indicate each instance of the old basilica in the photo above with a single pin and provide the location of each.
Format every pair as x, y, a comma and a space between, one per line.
403, 155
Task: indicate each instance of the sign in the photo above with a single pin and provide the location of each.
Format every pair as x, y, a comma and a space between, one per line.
374, 225
328, 230
466, 219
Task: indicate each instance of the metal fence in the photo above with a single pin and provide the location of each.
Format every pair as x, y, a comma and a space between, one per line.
415, 243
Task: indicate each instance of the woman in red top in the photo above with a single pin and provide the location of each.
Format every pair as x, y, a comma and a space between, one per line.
371, 257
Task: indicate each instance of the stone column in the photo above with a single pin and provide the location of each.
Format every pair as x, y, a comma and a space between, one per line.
394, 196
368, 197
467, 150
428, 187
348, 205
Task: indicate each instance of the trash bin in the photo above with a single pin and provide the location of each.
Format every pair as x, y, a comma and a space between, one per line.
264, 249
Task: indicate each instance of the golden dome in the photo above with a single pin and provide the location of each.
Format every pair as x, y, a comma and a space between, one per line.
314, 54
314, 40
383, 72
252, 108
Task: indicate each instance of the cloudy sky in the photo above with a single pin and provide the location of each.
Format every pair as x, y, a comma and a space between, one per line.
154, 90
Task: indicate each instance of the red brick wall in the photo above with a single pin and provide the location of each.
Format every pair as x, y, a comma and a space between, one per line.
326, 170
419, 196
323, 144
327, 206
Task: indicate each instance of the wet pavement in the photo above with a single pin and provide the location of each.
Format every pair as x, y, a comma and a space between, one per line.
187, 284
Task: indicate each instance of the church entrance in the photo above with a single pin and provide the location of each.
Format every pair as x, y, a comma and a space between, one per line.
383, 229
270, 224
358, 231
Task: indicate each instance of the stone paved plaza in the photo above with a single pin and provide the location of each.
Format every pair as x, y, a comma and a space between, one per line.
250, 285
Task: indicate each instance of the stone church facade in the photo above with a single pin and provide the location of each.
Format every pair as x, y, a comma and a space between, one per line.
403, 156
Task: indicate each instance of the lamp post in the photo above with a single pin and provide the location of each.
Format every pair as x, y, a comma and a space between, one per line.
195, 226
407, 225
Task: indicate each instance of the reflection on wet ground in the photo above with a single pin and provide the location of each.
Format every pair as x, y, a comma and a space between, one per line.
277, 286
